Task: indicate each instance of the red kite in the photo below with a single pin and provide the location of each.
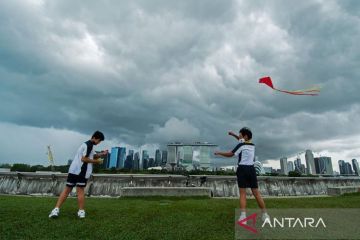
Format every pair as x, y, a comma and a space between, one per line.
310, 92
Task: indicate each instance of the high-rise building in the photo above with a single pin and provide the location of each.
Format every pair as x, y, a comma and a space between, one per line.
310, 164
348, 169
187, 157
157, 157
356, 167
131, 153
106, 160
164, 158
328, 164
297, 164
323, 165
114, 157
303, 168
284, 165
136, 164
205, 155
173, 156
121, 157
151, 162
290, 166
145, 159
342, 167
317, 165
129, 160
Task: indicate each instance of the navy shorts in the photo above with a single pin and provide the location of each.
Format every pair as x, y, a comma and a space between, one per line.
76, 180
246, 176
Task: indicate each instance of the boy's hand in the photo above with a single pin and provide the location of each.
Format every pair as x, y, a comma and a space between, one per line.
99, 161
104, 153
231, 133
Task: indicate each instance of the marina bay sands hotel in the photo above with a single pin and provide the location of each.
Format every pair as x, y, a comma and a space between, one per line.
197, 155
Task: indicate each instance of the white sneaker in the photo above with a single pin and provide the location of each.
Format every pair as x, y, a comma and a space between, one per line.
54, 213
81, 213
265, 216
242, 216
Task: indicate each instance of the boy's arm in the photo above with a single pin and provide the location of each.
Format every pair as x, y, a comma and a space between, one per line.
101, 154
224, 154
234, 135
89, 160
231, 153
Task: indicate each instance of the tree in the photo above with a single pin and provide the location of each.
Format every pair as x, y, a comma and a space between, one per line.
294, 174
20, 167
5, 165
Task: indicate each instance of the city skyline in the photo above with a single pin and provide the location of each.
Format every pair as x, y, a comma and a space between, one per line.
322, 164
151, 154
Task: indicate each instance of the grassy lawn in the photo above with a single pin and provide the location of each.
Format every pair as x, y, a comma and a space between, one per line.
138, 218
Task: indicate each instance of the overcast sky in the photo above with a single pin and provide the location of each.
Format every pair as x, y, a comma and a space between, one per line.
151, 72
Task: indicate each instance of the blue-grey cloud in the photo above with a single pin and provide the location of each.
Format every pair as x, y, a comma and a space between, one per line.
132, 68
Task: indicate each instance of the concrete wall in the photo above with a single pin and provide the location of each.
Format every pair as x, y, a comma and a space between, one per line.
221, 186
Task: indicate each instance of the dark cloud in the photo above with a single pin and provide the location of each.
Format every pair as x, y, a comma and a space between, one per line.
154, 72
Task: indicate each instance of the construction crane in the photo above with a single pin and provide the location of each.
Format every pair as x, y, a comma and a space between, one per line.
51, 158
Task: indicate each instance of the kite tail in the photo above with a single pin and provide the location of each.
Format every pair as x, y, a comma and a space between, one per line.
298, 92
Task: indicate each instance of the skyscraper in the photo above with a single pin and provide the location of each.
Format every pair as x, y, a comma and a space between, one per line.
355, 166
121, 157
151, 162
323, 165
172, 158
303, 168
157, 157
290, 166
342, 166
136, 164
205, 155
348, 169
310, 164
284, 165
113, 157
163, 158
129, 160
187, 160
297, 164
145, 159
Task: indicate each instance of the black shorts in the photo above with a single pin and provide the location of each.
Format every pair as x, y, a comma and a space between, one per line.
246, 176
76, 180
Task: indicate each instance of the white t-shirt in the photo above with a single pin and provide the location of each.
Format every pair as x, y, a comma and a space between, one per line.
79, 167
245, 152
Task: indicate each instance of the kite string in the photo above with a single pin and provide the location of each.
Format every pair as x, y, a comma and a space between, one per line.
243, 110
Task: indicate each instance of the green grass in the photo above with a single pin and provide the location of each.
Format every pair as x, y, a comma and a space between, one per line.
138, 218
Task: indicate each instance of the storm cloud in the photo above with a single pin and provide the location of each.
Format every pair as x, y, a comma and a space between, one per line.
150, 72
